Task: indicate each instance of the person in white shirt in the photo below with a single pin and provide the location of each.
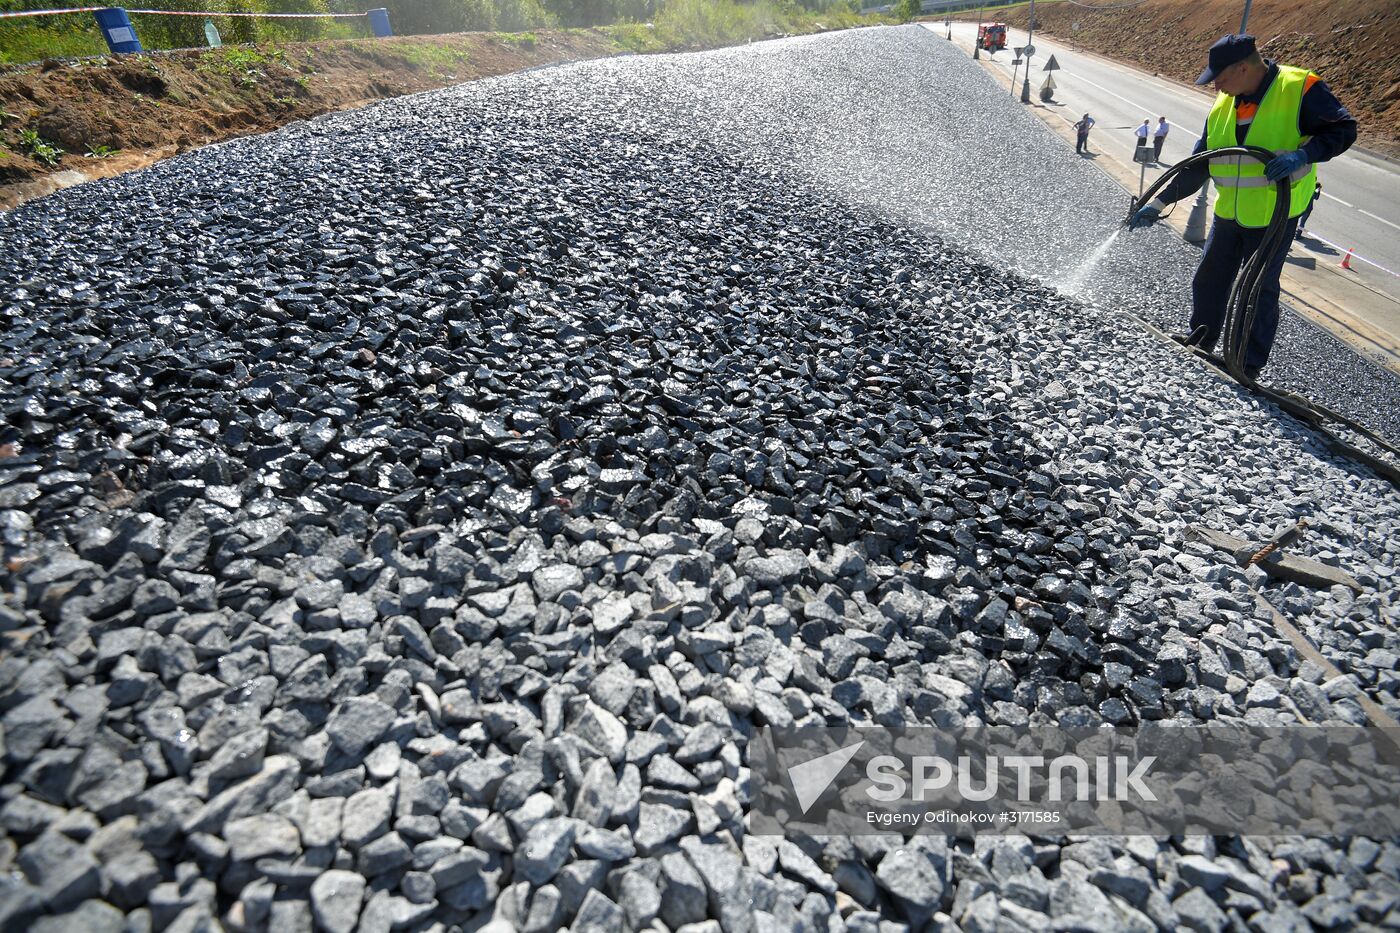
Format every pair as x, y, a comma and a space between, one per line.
1143, 132
1159, 137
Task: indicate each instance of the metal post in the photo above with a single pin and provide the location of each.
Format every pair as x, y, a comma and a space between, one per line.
1030, 41
1142, 179
1014, 70
1244, 20
1196, 223
977, 41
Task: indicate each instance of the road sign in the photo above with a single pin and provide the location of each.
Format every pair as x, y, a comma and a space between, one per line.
1052, 65
1144, 154
1019, 51
1030, 50
1015, 61
1050, 84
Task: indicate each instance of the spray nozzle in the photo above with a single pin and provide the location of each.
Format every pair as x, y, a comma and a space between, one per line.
1133, 208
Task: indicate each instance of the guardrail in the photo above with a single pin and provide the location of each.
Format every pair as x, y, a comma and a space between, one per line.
120, 33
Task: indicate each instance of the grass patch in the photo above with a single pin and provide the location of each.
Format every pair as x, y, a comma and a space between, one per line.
709, 23
23, 41
991, 13
39, 149
430, 58
635, 37
244, 62
101, 152
236, 58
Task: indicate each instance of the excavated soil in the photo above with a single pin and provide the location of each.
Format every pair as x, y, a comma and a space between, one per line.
153, 106
1353, 44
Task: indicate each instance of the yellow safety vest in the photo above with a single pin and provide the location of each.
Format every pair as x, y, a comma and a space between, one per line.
1246, 196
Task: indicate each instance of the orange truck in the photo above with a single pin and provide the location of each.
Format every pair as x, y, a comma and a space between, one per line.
992, 36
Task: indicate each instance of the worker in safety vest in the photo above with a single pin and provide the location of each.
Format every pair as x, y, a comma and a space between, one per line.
1261, 103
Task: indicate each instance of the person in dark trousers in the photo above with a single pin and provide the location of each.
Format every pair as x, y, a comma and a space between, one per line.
1159, 138
1261, 103
1303, 221
1081, 131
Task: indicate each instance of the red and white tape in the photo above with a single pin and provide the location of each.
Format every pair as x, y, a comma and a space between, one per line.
77, 9
92, 9
262, 15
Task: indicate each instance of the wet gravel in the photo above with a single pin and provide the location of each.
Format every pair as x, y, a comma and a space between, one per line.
420, 507
924, 138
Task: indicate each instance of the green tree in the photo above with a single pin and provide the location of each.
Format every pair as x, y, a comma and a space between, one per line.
905, 10
598, 12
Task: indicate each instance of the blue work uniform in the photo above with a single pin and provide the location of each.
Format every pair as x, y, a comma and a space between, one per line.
1332, 130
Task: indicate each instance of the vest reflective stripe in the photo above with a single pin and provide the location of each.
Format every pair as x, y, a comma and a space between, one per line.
1246, 196
1254, 181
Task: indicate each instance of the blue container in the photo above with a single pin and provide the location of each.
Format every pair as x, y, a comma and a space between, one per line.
379, 22
117, 30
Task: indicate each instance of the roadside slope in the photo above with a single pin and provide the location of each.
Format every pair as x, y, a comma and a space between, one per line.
63, 122
155, 105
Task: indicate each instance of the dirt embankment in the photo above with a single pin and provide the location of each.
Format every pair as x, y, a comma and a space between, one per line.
110, 115
1353, 44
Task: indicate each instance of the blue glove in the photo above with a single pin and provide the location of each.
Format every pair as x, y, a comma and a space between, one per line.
1284, 165
1144, 218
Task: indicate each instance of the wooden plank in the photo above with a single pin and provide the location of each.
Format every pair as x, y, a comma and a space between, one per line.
1280, 565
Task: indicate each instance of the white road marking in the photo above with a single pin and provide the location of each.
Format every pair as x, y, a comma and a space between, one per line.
1352, 253
1381, 219
1337, 199
1108, 92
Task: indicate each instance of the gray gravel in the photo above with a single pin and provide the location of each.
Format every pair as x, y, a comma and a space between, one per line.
421, 506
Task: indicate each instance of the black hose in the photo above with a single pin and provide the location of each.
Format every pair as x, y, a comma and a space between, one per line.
1242, 308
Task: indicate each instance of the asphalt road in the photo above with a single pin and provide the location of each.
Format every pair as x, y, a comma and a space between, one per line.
1360, 206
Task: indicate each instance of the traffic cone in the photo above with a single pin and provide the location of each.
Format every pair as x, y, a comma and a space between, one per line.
1346, 261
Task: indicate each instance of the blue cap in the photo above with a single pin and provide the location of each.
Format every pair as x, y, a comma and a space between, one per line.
1226, 52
